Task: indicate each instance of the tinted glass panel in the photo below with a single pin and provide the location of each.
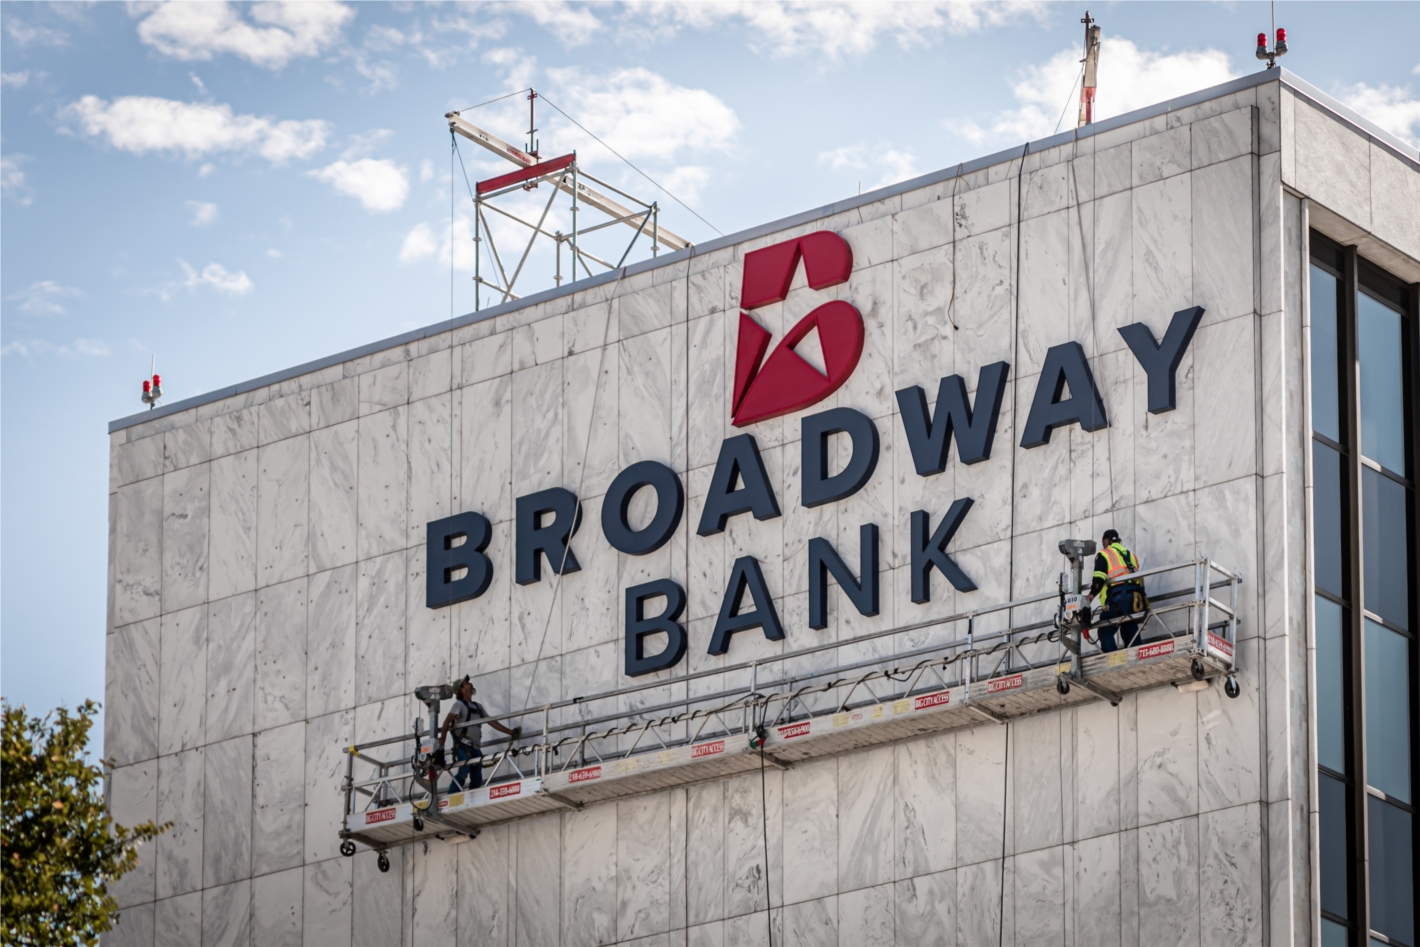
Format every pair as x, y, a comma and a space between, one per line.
1392, 871
1330, 689
1326, 360
1386, 553
1387, 711
1381, 351
1335, 854
1334, 934
1326, 517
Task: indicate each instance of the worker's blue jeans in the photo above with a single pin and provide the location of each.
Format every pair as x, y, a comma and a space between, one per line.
1119, 600
471, 771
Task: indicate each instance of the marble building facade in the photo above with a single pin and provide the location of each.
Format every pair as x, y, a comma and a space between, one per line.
266, 589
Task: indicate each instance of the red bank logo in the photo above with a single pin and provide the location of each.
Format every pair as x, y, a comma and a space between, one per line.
511, 789
582, 775
786, 381
707, 749
379, 815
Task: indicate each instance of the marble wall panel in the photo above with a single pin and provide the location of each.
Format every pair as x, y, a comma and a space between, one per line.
1168, 883
483, 909
182, 679
226, 915
335, 403
380, 631
981, 209
642, 866
432, 374
1394, 188
276, 908
483, 627
746, 802
486, 357
589, 877
232, 560
326, 902
227, 812
983, 304
132, 927
326, 738
281, 418
1044, 290
1039, 782
646, 408
980, 758
1168, 755
137, 460
433, 893
283, 510
281, 654
593, 600
648, 309
378, 901
705, 837
384, 483
278, 798
486, 436
924, 910
384, 388
870, 388
1096, 776
137, 567
330, 640
1223, 137
811, 923
1163, 155
1162, 251
177, 922
981, 909
1040, 915
924, 312
1332, 163
1224, 242
1163, 531
1224, 402
865, 818
1096, 907
1229, 750
133, 799
1231, 876
334, 462
234, 432
231, 667
925, 801
177, 857
708, 375
431, 477
591, 384
131, 670
866, 917
538, 342
427, 652
537, 419
811, 825
186, 525
536, 916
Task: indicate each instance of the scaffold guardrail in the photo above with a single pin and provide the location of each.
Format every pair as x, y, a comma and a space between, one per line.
576, 752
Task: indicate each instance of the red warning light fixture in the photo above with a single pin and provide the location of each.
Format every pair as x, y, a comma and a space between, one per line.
152, 388
1278, 49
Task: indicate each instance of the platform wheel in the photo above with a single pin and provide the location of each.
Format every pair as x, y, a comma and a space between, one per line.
384, 861
1231, 688
418, 824
1062, 684
1200, 673
347, 848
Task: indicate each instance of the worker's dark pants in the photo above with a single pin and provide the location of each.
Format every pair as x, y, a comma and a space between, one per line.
473, 771
1119, 601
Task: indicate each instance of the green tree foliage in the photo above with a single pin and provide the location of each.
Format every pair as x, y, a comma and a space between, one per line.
58, 847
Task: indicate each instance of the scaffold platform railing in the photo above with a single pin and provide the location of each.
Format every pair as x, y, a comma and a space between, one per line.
794, 706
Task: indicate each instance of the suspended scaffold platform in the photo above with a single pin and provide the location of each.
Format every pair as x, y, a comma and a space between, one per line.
788, 710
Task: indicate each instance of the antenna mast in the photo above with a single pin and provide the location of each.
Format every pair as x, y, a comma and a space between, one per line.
1092, 62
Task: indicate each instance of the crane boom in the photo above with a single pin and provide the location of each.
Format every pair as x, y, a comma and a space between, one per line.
587, 195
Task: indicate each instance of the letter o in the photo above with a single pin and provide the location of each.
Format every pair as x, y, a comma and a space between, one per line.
670, 504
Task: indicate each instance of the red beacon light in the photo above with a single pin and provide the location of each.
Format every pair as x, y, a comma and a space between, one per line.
1270, 55
152, 391
1281, 46
1261, 45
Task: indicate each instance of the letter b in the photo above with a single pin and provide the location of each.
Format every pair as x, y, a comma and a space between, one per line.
447, 556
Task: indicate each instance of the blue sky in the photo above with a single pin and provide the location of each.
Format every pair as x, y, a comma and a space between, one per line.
239, 189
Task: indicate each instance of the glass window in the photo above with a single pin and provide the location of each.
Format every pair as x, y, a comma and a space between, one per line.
1381, 350
1330, 686
1335, 854
1334, 934
1385, 552
1326, 358
1392, 871
1387, 711
1326, 519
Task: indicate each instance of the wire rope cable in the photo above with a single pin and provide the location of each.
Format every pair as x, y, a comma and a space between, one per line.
1068, 97
764, 817
468, 108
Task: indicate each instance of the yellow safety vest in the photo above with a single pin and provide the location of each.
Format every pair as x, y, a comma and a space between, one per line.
1121, 563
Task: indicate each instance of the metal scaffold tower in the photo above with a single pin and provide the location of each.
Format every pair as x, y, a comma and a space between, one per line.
566, 178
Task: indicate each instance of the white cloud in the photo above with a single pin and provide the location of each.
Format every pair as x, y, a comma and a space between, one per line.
642, 115
781, 28
197, 81
26, 35
202, 213
141, 124
573, 26
205, 170
379, 185
12, 180
278, 33
362, 145
474, 26
274, 253
418, 244
216, 276
1391, 107
1129, 78
882, 165
426, 170
17, 79
93, 348
45, 297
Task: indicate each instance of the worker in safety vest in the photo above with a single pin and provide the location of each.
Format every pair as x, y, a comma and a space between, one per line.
1119, 593
464, 719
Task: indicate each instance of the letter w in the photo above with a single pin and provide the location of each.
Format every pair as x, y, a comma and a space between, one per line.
930, 438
